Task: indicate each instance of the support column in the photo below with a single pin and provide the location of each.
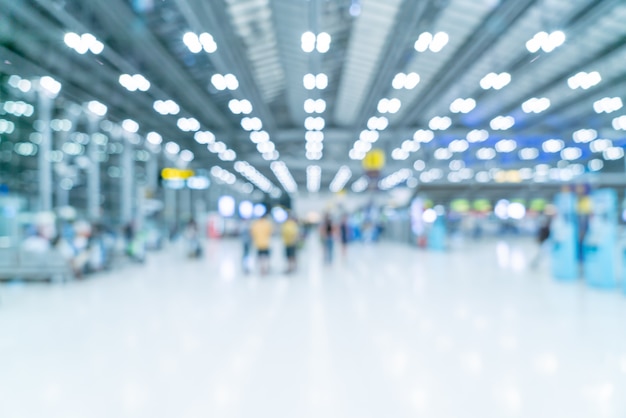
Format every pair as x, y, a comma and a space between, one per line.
169, 210
44, 168
152, 175
93, 175
185, 205
127, 180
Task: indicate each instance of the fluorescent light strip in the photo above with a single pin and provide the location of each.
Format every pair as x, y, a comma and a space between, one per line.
341, 178
252, 174
313, 178
284, 176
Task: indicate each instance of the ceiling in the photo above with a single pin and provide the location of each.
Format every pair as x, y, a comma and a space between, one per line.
371, 41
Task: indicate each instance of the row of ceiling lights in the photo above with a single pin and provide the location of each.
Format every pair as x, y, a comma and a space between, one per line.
135, 82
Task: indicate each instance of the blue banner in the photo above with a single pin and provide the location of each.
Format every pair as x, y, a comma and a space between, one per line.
563, 236
600, 241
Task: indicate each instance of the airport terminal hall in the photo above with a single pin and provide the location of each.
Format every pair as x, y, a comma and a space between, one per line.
312, 209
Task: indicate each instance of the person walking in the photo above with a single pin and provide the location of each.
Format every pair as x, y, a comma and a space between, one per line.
344, 234
261, 232
246, 240
543, 234
290, 233
327, 233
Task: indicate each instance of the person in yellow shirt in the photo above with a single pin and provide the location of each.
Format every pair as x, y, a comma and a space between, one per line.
290, 234
261, 232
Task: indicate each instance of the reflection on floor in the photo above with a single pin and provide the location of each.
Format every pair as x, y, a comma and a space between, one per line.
390, 331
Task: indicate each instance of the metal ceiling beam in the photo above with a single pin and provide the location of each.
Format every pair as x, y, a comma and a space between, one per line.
476, 45
412, 16
123, 25
579, 22
80, 85
230, 56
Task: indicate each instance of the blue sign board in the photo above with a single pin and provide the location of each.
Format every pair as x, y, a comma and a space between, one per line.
563, 236
601, 240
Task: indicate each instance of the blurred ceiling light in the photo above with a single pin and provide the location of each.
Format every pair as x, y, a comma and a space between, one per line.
477, 135
188, 124
584, 135
154, 138
502, 123
204, 137
314, 123
97, 108
536, 105
314, 136
399, 154
546, 42
495, 81
311, 42
314, 106
134, 82
341, 178
370, 136
83, 43
607, 105
595, 164
312, 81
360, 185
50, 85
442, 154
506, 145
439, 123
584, 80
394, 179
186, 155
251, 124
423, 135
486, 153
528, 153
313, 178
462, 105
613, 153
458, 145
571, 153
223, 82
553, 145
284, 176
238, 107
130, 125
254, 176
172, 148
196, 43
600, 145
405, 81
166, 107
433, 42
377, 123
619, 123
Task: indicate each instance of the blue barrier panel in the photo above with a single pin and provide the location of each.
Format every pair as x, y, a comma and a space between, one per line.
601, 240
563, 236
437, 235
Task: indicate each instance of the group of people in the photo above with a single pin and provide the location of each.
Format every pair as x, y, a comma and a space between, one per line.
259, 234
329, 232
87, 248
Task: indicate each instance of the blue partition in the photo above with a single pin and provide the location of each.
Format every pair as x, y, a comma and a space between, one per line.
437, 234
563, 236
600, 241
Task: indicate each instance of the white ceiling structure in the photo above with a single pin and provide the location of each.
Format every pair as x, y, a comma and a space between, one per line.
528, 116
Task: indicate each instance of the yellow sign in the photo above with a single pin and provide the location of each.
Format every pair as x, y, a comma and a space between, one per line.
170, 173
374, 160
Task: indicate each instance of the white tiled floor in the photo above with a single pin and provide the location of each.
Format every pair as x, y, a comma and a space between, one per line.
390, 332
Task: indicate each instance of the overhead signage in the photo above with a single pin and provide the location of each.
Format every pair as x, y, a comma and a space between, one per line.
170, 173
